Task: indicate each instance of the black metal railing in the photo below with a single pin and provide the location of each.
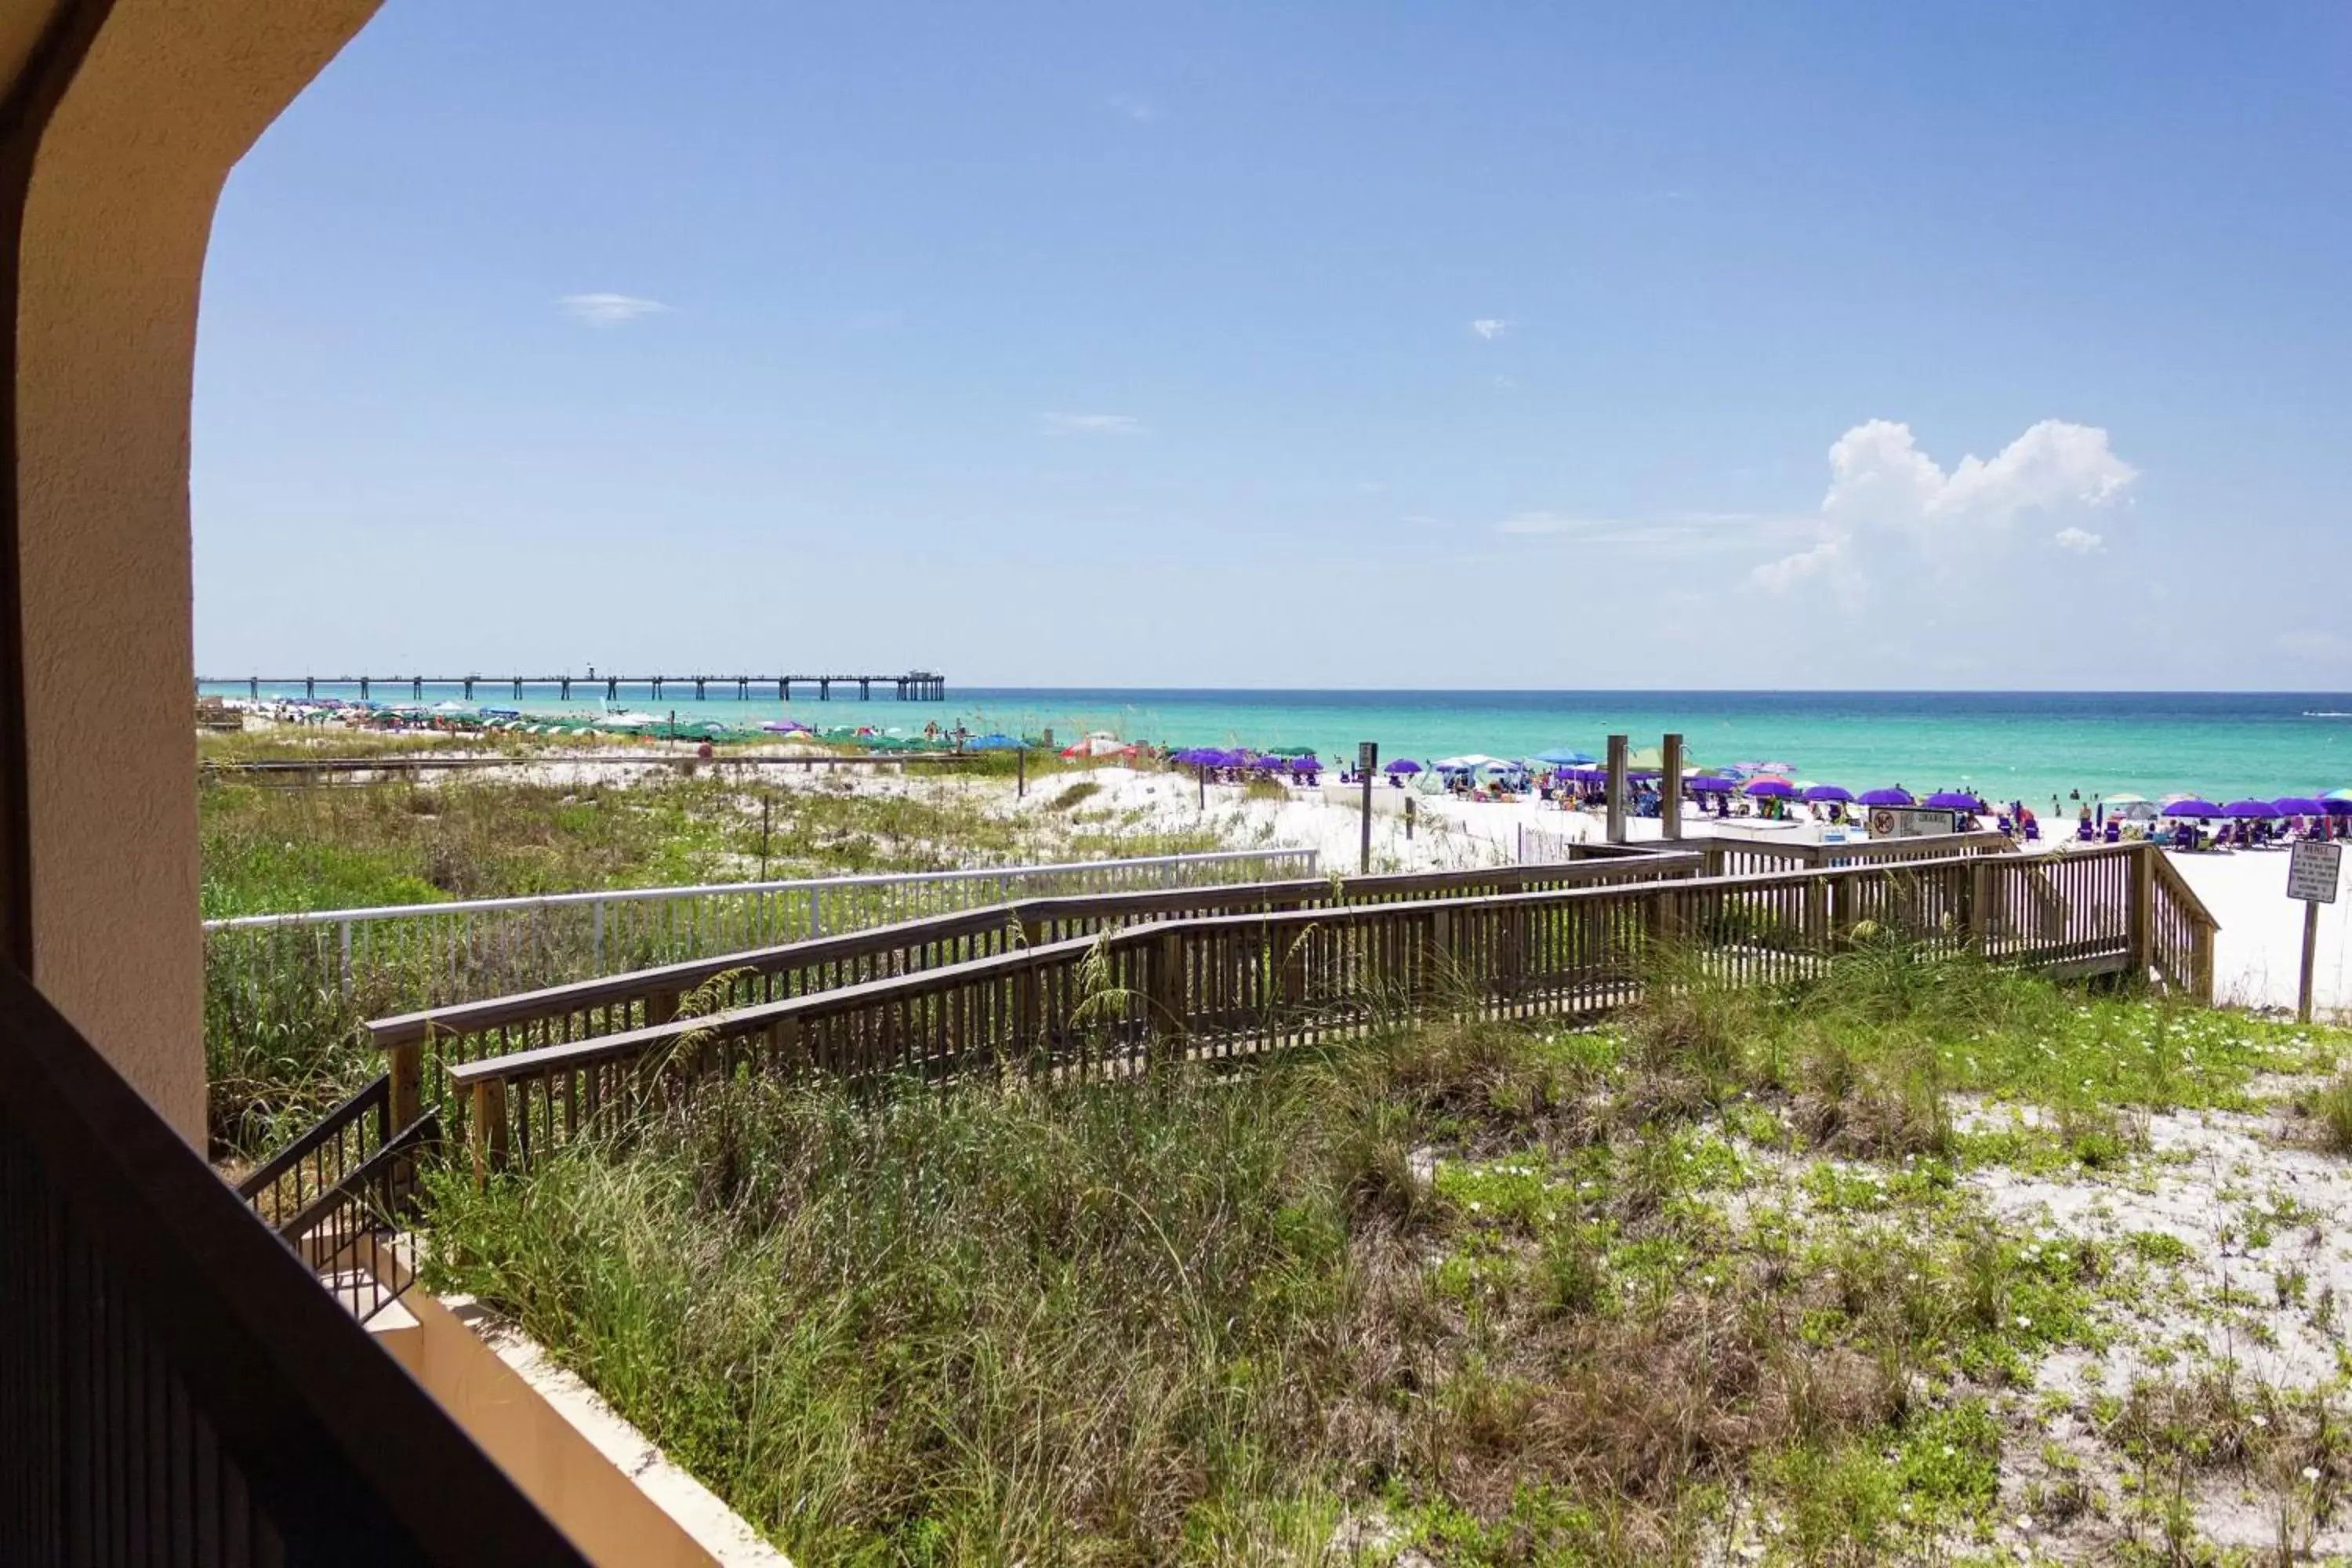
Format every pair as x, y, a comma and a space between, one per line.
175, 1387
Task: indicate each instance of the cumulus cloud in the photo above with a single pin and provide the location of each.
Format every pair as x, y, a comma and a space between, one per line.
1490, 327
1092, 424
1884, 493
610, 310
2080, 540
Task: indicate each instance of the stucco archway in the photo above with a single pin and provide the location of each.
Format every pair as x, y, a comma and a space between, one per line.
125, 117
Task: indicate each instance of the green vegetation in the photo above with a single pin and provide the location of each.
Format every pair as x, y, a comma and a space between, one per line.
1714, 1279
281, 1032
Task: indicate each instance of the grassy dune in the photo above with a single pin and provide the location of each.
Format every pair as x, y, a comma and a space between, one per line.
1723, 1280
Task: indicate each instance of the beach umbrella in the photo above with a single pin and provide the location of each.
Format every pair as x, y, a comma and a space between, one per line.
1953, 800
1306, 765
1709, 785
1266, 763
1465, 763
1563, 757
2251, 810
1770, 789
2300, 805
1402, 765
1816, 792
2342, 795
2338, 805
2194, 807
1886, 797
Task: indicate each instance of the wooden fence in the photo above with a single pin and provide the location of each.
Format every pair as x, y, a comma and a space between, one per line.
1207, 986
419, 1047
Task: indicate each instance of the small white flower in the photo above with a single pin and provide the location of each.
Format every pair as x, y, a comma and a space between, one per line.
2310, 1472
2023, 1322
2024, 1522
2262, 1421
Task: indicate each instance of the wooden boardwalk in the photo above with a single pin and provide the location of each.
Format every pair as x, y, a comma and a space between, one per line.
911, 686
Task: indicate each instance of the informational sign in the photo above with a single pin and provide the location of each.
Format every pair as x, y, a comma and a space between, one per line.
1368, 755
2313, 871
1911, 822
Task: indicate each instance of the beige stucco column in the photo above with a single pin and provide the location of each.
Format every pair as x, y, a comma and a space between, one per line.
117, 217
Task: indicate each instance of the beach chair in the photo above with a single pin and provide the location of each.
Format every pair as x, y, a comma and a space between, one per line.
2084, 830
2033, 831
2115, 832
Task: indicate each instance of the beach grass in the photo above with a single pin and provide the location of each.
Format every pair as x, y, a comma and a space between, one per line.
282, 1031
1709, 1277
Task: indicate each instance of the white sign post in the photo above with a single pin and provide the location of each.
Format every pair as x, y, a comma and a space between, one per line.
2313, 871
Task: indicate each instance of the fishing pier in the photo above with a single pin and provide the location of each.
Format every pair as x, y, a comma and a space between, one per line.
914, 686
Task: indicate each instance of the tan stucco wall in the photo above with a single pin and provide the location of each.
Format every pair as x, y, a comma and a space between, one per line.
120, 211
604, 1485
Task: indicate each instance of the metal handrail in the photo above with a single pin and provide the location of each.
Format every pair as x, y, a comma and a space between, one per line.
791, 885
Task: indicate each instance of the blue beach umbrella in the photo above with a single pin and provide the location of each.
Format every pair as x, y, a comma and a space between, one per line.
1770, 789
1838, 792
1953, 800
2300, 805
2251, 810
1886, 797
2193, 807
1562, 757
1407, 765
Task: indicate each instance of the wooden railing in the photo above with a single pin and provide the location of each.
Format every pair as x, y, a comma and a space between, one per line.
1729, 857
173, 1385
1209, 986
420, 1047
2181, 931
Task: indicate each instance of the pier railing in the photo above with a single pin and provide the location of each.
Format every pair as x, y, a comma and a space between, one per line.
419, 956
1211, 986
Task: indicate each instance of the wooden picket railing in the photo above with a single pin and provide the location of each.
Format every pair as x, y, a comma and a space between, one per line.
1206, 986
1729, 857
420, 1047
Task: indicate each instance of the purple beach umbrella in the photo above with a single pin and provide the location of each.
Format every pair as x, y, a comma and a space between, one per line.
2251, 810
2336, 807
1953, 800
1886, 797
2300, 805
1774, 789
1304, 765
2194, 808
1402, 765
1838, 792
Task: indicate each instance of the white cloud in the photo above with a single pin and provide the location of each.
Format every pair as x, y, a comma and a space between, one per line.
1092, 424
1884, 491
1132, 106
1490, 327
2080, 540
610, 310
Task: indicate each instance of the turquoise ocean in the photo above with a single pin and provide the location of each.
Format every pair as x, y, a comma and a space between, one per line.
2005, 744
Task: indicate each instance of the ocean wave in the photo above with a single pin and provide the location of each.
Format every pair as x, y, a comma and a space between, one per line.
2324, 713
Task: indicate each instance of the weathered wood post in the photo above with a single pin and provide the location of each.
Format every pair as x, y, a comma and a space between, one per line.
1165, 996
489, 1132
2143, 910
1616, 819
1670, 788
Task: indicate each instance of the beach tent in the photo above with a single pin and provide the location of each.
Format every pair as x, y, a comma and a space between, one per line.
2135, 807
1468, 762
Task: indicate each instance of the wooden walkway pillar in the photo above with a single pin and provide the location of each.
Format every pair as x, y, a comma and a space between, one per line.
1616, 789
1670, 787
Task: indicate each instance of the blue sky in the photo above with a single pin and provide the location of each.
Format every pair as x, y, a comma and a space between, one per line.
1289, 345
